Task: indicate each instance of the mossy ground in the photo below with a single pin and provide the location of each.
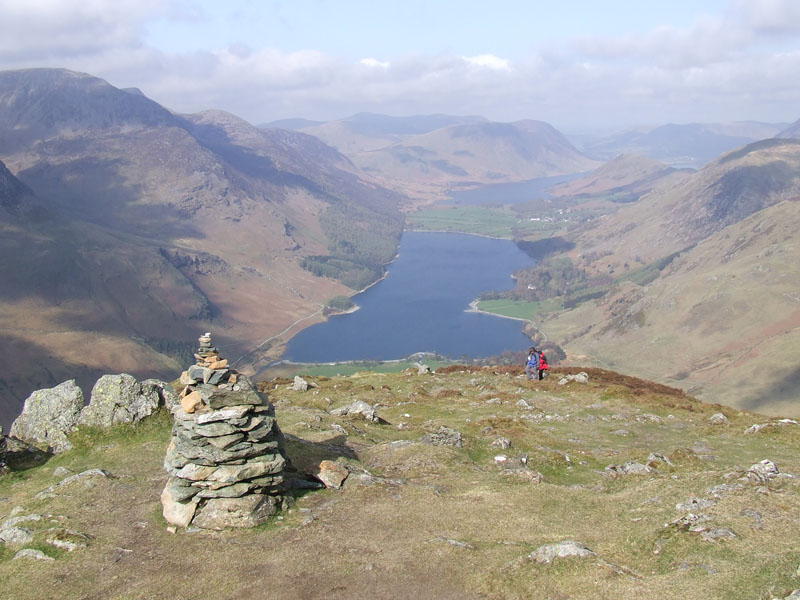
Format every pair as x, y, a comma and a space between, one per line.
447, 522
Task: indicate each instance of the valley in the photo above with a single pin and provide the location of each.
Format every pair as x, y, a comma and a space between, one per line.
132, 228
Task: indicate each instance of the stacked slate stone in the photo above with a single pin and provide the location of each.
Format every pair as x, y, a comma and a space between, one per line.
226, 458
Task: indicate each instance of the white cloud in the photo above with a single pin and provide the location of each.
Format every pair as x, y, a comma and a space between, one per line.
60, 29
373, 63
738, 65
488, 61
769, 16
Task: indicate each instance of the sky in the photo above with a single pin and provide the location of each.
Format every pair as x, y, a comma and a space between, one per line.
582, 65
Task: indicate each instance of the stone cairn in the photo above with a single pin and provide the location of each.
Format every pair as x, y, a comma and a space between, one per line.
226, 459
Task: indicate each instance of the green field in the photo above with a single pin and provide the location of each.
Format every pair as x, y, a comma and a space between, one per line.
518, 309
501, 222
347, 369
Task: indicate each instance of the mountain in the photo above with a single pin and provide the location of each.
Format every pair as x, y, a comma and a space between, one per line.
166, 225
482, 152
699, 282
292, 124
792, 131
676, 216
369, 131
473, 485
625, 178
691, 144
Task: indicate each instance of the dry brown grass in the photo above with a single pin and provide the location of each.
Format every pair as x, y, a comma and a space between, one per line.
450, 523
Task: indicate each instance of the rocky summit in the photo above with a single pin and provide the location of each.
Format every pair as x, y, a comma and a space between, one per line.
226, 457
468, 483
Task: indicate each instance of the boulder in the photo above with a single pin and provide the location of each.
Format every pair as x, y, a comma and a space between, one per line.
581, 377
444, 437
629, 468
15, 536
175, 512
299, 384
48, 415
718, 419
359, 407
761, 472
120, 399
423, 369
331, 474
167, 395
247, 511
549, 552
33, 554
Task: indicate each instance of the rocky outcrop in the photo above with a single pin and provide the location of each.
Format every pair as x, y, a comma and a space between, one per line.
226, 458
48, 415
118, 399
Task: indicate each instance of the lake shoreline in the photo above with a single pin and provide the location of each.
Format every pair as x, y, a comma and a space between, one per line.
473, 308
420, 308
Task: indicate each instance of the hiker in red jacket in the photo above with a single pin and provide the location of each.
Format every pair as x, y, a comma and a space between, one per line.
543, 366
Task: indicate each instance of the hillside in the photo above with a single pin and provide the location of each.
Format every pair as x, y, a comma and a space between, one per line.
722, 320
156, 219
470, 474
367, 131
477, 153
625, 178
693, 284
693, 144
678, 215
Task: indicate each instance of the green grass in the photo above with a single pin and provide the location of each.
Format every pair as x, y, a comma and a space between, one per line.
345, 369
519, 309
399, 531
501, 222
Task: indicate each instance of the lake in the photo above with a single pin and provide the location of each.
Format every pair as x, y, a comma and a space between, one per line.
420, 306
508, 193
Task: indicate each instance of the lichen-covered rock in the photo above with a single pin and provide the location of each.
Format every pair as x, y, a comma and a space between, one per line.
549, 552
49, 415
629, 468
761, 472
444, 437
15, 536
167, 395
718, 419
247, 511
32, 554
359, 407
299, 384
120, 399
177, 512
331, 474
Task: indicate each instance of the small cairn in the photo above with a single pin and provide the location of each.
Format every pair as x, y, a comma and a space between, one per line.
226, 459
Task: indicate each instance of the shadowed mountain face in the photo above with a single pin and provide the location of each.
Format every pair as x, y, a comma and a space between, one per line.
162, 227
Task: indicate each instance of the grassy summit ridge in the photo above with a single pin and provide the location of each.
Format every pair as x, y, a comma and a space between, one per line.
443, 521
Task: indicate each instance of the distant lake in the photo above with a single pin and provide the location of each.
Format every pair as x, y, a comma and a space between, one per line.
419, 306
508, 193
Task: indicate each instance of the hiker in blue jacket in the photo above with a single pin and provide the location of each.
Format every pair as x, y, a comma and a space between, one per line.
532, 366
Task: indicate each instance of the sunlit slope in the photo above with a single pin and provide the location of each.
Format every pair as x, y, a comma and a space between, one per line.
723, 320
467, 474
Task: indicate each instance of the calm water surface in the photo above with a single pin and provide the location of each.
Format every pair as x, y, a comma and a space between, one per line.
508, 193
419, 306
